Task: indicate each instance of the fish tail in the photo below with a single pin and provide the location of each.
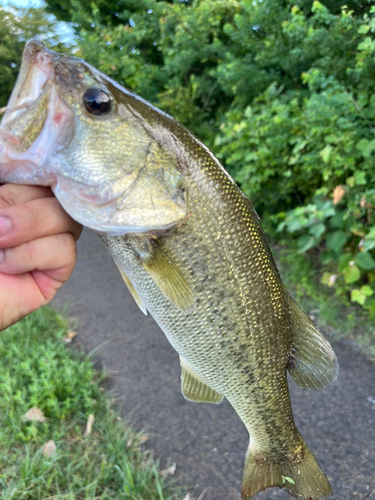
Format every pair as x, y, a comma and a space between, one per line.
302, 477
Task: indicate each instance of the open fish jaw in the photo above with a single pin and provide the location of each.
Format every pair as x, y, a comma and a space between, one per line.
35, 123
36, 70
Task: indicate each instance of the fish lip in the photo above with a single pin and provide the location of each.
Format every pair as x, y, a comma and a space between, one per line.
36, 66
36, 79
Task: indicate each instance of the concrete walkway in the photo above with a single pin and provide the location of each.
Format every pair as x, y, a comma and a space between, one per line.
208, 442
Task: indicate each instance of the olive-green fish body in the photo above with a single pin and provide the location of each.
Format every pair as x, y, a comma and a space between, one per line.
238, 339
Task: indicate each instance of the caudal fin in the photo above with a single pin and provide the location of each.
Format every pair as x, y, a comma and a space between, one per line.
302, 477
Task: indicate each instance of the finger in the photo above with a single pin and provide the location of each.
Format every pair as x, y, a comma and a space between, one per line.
33, 220
19, 296
17, 194
55, 255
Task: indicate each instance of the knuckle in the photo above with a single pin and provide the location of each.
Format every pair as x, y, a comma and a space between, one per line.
35, 219
69, 246
70, 254
30, 251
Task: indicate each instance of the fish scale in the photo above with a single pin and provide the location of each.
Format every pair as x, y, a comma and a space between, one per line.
188, 245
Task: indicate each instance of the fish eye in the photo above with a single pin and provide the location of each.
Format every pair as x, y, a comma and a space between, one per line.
97, 102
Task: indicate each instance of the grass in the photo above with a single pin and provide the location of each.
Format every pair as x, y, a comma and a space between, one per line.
335, 313
37, 369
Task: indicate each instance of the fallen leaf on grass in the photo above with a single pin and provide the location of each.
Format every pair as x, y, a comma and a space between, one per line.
142, 439
90, 422
49, 448
170, 470
69, 337
34, 414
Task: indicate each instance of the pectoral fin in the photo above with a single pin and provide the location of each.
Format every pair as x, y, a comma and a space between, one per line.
170, 280
194, 389
313, 363
131, 289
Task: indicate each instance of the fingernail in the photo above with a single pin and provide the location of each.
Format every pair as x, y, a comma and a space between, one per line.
5, 226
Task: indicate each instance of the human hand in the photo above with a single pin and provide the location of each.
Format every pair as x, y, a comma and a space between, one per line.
37, 249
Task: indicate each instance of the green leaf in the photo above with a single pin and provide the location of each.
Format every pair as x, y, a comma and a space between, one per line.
365, 147
305, 243
360, 295
325, 153
357, 296
351, 273
364, 28
296, 223
286, 478
317, 230
367, 290
337, 221
344, 261
367, 44
336, 240
364, 261
350, 181
328, 212
328, 256
368, 245
360, 178
369, 241
325, 278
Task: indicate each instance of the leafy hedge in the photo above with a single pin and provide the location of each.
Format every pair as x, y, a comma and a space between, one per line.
282, 91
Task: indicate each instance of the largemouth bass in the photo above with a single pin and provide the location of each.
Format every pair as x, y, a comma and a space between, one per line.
189, 247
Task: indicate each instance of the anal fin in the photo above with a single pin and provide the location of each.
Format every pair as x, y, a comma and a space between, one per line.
133, 292
194, 389
313, 363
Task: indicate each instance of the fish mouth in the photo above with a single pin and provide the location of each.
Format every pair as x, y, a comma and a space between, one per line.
36, 71
34, 118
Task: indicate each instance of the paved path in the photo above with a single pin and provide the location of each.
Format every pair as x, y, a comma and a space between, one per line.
208, 442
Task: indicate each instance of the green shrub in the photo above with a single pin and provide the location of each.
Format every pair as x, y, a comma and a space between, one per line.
343, 230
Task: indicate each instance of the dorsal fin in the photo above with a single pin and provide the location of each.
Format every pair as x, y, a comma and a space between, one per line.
132, 290
313, 363
194, 389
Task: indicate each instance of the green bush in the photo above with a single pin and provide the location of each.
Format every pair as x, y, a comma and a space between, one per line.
284, 147
343, 230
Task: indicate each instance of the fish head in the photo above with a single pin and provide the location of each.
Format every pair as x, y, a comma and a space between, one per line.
96, 144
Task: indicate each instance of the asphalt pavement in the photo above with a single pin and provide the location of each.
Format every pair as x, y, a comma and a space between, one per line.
208, 442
